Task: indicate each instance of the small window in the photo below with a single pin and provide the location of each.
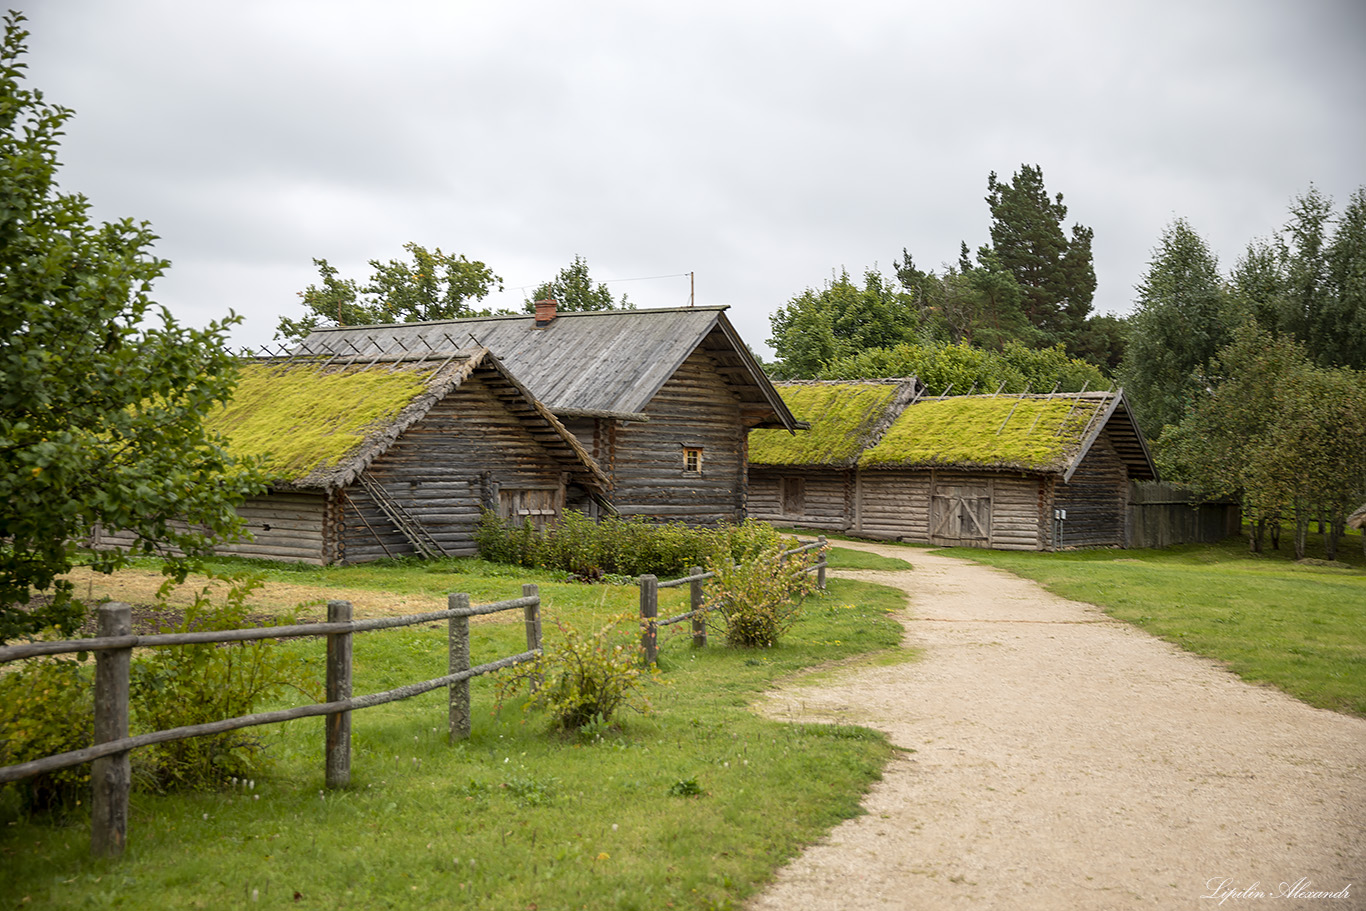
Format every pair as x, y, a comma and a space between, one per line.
692, 459
794, 496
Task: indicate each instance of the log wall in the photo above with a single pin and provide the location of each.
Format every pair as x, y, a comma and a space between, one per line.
1096, 500
827, 500
694, 409
443, 471
286, 526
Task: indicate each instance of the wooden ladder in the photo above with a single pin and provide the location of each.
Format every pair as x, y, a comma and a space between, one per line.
421, 539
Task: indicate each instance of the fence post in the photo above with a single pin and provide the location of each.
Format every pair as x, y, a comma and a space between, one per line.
338, 724
699, 621
111, 775
458, 724
820, 565
649, 610
533, 625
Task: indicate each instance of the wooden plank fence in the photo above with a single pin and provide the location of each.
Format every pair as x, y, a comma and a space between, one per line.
649, 600
110, 773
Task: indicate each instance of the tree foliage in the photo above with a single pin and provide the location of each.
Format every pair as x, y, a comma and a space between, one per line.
432, 285
1180, 323
820, 326
961, 369
574, 290
100, 415
1055, 273
1276, 430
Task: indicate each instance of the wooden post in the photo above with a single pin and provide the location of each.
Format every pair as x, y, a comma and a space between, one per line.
699, 621
533, 617
111, 776
533, 625
338, 724
458, 725
649, 611
820, 566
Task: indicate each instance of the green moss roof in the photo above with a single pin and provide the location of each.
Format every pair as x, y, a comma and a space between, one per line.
300, 419
981, 431
841, 415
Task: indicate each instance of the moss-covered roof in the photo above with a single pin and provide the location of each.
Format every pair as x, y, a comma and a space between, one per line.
845, 418
302, 419
1026, 433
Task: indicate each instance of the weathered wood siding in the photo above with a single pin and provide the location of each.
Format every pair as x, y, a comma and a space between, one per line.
694, 409
909, 504
826, 501
286, 526
1162, 515
443, 471
1096, 500
893, 504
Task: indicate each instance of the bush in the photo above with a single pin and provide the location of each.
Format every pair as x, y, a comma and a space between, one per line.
183, 685
47, 706
582, 681
758, 599
591, 549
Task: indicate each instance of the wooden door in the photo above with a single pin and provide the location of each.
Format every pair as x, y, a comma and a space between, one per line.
960, 515
539, 506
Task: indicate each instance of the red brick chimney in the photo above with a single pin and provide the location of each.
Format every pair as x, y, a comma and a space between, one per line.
545, 312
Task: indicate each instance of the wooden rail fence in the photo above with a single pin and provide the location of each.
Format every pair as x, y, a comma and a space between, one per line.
649, 600
113, 648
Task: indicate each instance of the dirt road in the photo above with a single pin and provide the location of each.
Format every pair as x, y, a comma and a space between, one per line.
1059, 759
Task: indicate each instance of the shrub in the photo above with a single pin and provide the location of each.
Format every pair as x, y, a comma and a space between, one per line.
758, 599
47, 707
582, 680
613, 545
183, 685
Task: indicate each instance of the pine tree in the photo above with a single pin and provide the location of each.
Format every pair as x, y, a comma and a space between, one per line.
1055, 274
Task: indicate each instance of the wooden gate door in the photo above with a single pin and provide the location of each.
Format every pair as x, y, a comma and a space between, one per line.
529, 504
960, 515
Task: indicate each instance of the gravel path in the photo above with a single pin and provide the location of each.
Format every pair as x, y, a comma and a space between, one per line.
1059, 759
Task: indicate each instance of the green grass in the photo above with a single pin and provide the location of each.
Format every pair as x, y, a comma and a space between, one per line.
1297, 626
515, 816
846, 558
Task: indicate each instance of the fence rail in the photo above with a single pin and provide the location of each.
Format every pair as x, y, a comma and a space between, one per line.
113, 647
650, 622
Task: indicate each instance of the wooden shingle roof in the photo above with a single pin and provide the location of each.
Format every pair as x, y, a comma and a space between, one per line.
606, 363
319, 423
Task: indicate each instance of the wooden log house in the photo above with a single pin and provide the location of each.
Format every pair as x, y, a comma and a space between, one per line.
663, 400
1014, 472
393, 456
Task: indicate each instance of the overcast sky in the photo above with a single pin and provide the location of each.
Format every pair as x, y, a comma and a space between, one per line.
758, 145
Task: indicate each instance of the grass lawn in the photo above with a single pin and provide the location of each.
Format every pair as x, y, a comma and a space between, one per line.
847, 558
691, 806
1298, 626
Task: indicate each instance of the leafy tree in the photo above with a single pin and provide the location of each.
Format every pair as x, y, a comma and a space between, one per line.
1180, 323
960, 369
1274, 429
100, 415
1055, 274
432, 286
1344, 342
574, 291
817, 327
1103, 341
1304, 254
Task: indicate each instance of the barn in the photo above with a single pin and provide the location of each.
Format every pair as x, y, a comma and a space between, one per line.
809, 479
384, 457
1015, 472
663, 400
